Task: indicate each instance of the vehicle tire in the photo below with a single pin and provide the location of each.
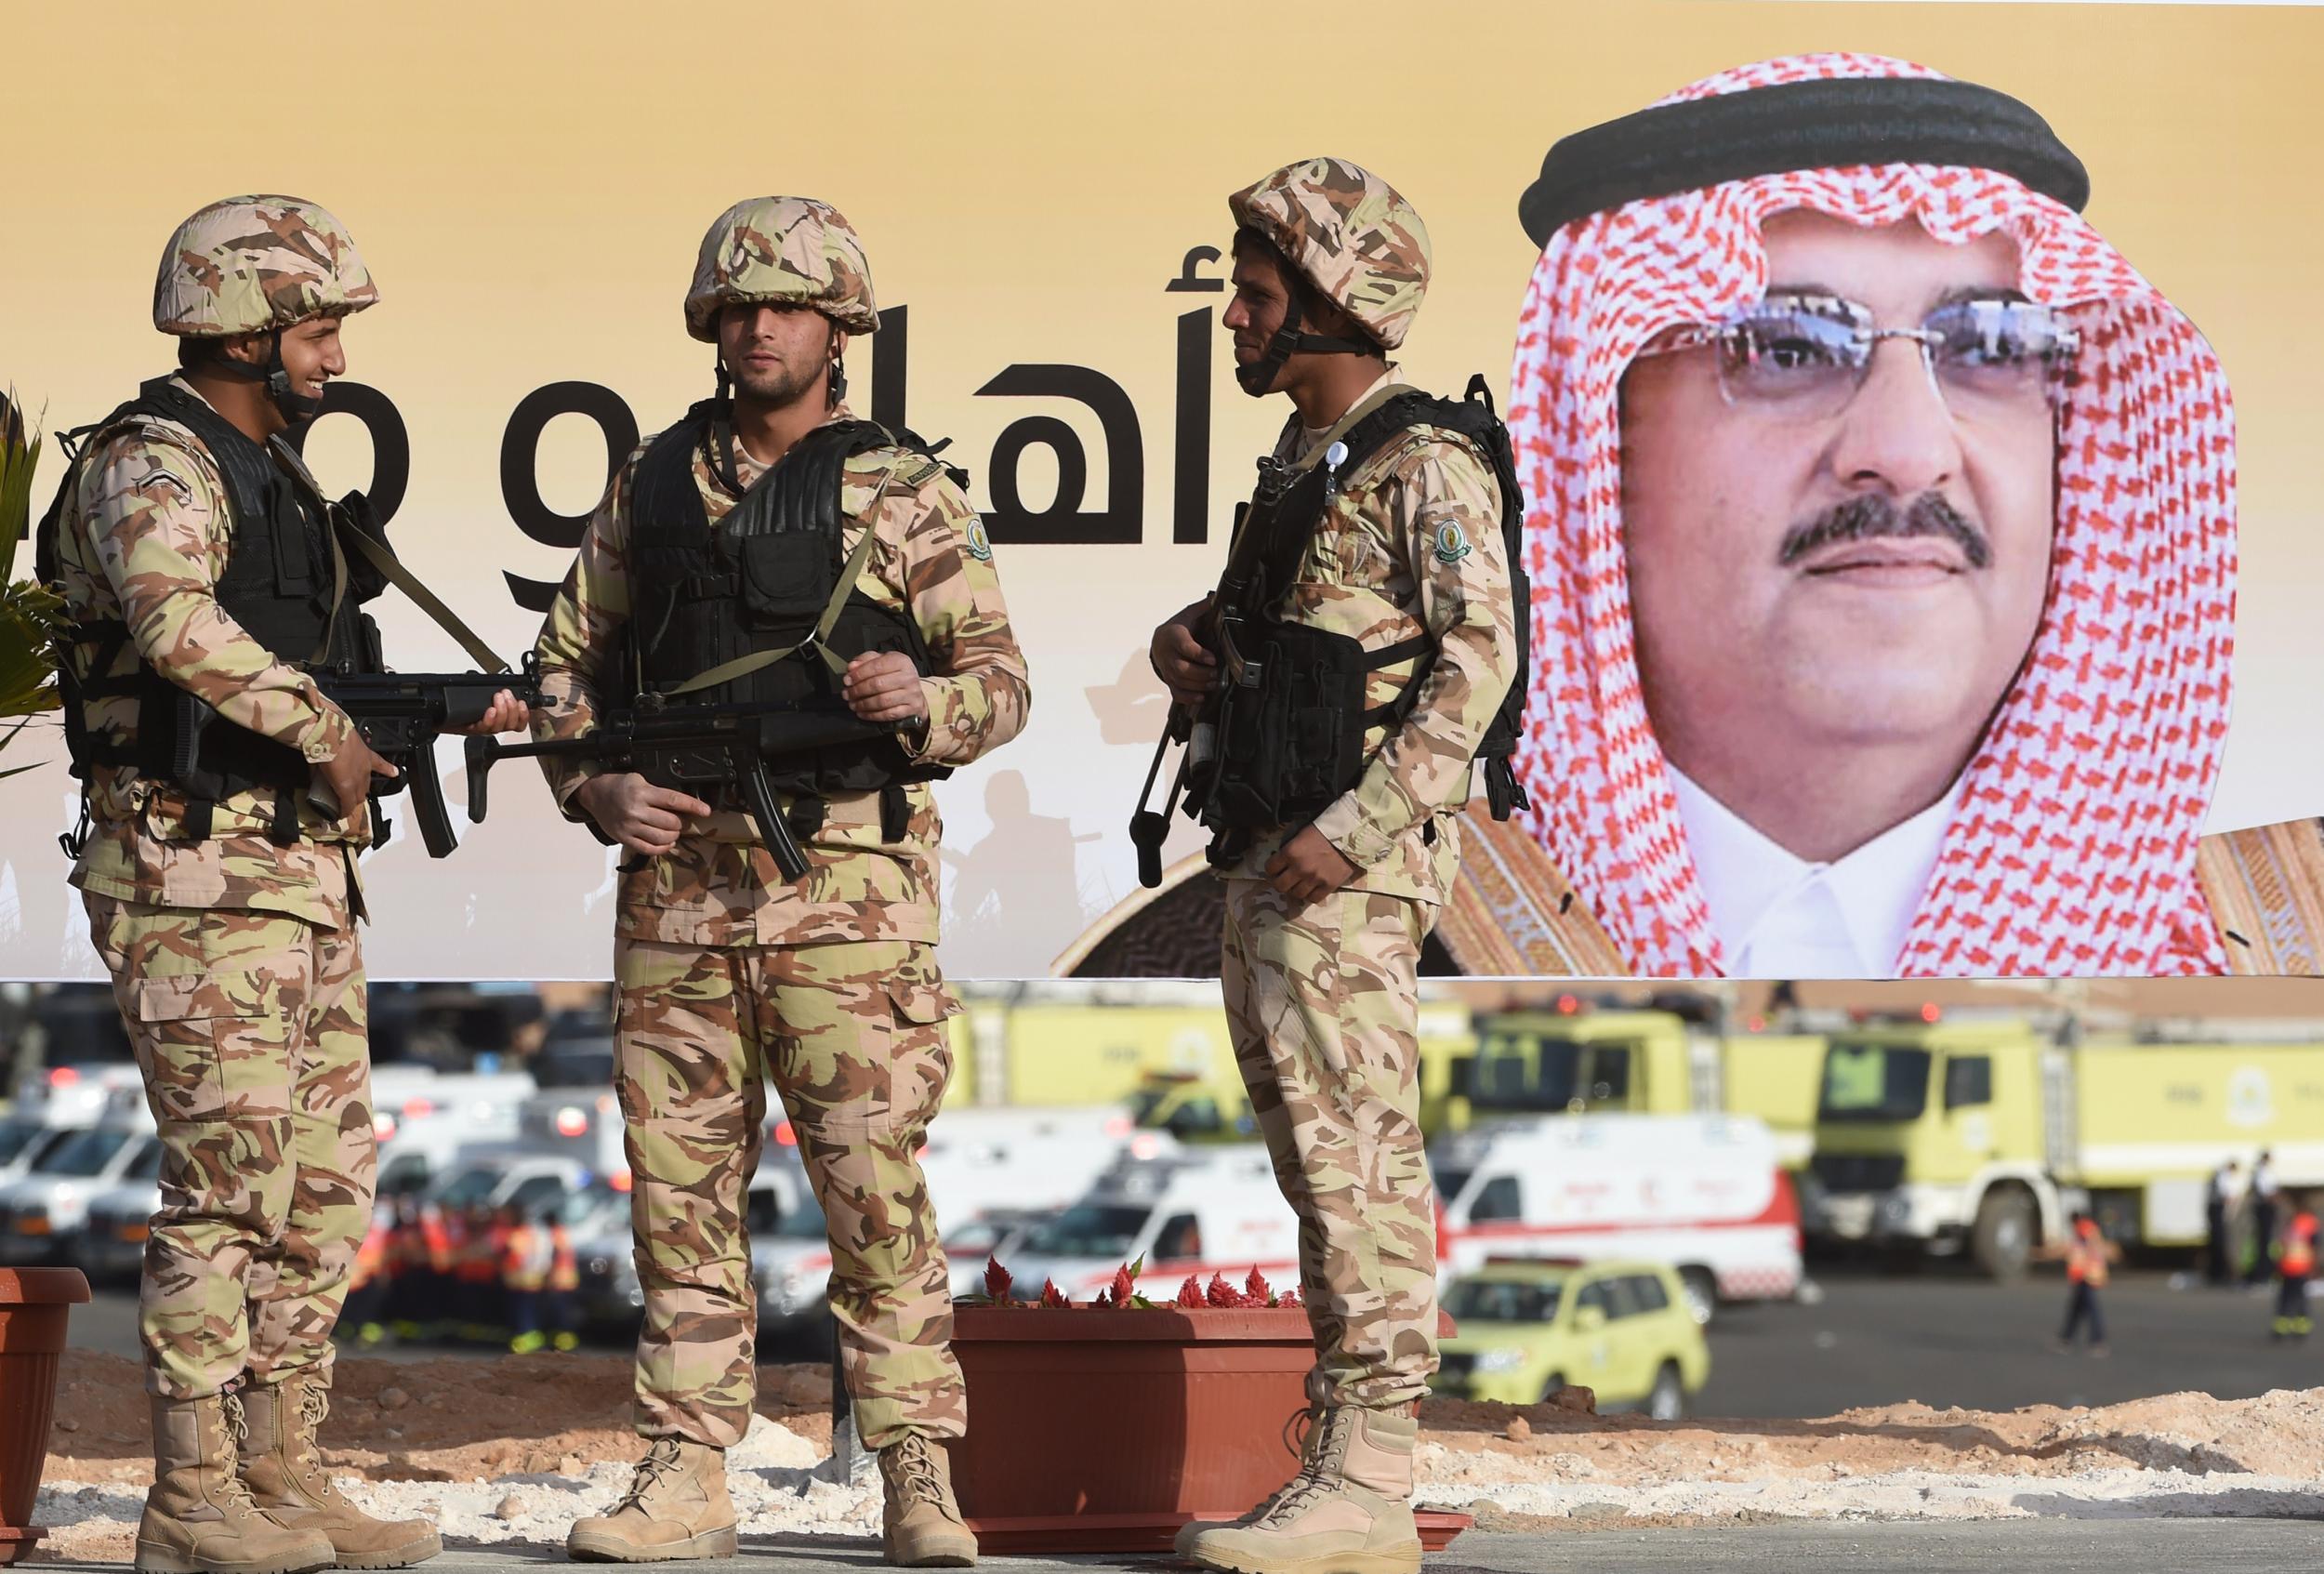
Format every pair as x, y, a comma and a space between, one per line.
1701, 1290
2006, 1230
1667, 1399
1549, 1389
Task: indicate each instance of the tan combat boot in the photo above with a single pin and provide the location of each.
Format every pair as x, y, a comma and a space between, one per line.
199, 1517
283, 1464
676, 1507
919, 1525
1349, 1510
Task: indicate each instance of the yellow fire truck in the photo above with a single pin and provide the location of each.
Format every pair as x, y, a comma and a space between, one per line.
1570, 1058
1939, 1135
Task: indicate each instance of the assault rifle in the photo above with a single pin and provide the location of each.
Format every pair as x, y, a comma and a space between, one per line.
1242, 594
692, 748
401, 714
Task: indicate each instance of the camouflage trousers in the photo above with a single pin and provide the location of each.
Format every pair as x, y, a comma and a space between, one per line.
1323, 1001
851, 1035
249, 1030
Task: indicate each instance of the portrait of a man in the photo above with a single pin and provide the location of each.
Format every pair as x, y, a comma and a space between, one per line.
1883, 532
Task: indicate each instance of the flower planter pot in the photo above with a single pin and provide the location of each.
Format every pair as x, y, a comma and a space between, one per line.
33, 1304
1103, 1431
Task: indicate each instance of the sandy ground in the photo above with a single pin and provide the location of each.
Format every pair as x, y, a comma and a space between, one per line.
513, 1450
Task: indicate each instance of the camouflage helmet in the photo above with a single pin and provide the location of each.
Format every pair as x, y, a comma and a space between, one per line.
251, 264
1361, 245
782, 251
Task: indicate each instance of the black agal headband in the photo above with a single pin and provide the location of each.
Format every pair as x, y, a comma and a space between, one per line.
1829, 124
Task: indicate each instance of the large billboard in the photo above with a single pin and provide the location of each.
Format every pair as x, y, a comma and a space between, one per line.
1042, 190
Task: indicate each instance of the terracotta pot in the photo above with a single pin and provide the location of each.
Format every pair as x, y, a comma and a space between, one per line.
33, 1302
1100, 1431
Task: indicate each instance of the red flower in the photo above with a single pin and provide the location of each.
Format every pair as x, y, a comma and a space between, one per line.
1123, 1288
1222, 1293
1052, 1296
1288, 1298
1190, 1294
1257, 1287
997, 1281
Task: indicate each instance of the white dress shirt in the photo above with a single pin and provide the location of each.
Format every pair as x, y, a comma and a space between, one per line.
1779, 916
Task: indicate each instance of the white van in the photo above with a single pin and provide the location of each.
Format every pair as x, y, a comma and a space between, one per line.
1219, 1212
1702, 1193
979, 1159
438, 1120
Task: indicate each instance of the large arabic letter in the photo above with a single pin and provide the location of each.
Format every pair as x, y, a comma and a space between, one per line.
891, 345
1121, 521
391, 444
1189, 281
519, 479
1190, 482
1073, 475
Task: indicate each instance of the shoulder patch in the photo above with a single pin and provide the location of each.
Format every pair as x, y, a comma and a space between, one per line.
1452, 542
919, 470
907, 466
152, 444
980, 544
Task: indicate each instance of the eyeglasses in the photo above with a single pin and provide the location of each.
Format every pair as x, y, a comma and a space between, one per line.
1802, 357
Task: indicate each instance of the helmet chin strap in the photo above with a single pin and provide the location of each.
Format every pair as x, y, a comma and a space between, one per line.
296, 408
719, 438
1258, 378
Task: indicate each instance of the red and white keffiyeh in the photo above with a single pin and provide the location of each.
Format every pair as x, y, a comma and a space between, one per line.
2074, 848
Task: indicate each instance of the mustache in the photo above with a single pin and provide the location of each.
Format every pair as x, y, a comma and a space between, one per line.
1874, 515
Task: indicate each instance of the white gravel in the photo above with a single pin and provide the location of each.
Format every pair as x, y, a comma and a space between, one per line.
777, 1489
770, 1474
1565, 1486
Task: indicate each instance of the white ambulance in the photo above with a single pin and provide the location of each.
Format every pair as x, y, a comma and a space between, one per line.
1703, 1193
1213, 1211
977, 1159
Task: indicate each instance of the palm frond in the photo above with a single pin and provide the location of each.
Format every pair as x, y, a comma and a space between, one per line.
19, 456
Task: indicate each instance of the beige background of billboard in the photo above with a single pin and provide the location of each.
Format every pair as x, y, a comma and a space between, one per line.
530, 182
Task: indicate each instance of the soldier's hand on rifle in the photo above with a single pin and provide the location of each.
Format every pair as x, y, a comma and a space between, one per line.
1187, 669
884, 686
642, 817
1309, 868
507, 714
347, 773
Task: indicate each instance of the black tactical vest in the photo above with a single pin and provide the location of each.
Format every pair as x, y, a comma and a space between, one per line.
280, 583
1290, 743
762, 581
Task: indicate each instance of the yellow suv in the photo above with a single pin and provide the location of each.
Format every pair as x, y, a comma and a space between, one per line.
1528, 1329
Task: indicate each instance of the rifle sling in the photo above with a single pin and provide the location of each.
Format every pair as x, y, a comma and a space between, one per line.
425, 600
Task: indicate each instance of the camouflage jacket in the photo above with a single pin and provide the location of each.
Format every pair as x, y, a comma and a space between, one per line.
1410, 541
142, 537
717, 887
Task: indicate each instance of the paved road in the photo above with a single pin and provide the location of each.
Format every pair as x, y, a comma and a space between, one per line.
1950, 1339
2151, 1546
1942, 1338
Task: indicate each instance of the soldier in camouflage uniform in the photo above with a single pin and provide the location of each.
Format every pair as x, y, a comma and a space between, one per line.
1324, 920
729, 976
225, 913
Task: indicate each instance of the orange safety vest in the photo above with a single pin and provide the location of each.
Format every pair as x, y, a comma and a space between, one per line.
481, 1262
2086, 1260
407, 1245
525, 1259
371, 1255
565, 1274
2298, 1259
445, 1236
